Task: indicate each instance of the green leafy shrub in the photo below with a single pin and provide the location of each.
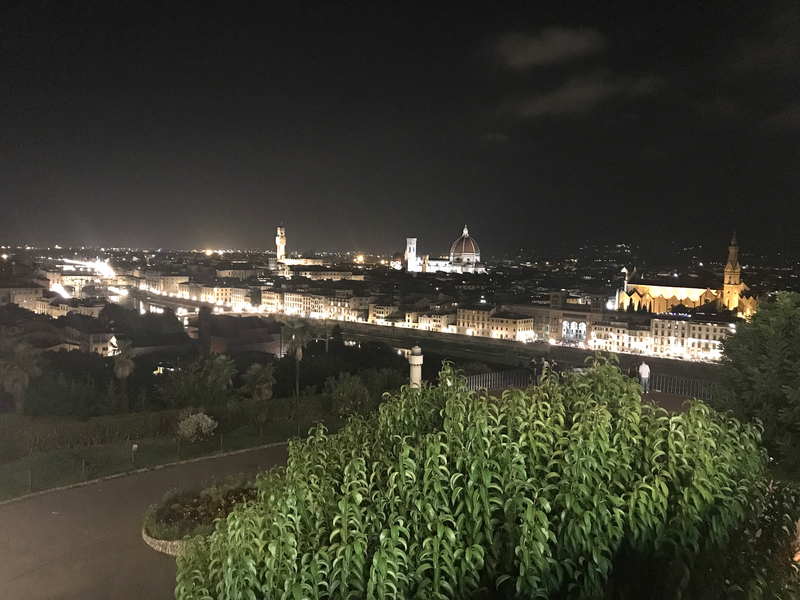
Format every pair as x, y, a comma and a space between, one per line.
349, 395
565, 490
761, 376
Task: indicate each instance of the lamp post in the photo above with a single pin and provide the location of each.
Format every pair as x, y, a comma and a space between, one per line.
415, 367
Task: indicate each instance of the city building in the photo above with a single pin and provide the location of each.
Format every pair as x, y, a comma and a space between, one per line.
58, 306
475, 319
216, 294
438, 321
85, 333
23, 294
465, 257
280, 243
506, 325
695, 337
660, 296
321, 273
379, 312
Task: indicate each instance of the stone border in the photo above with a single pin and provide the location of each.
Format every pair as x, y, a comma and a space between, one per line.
143, 470
169, 547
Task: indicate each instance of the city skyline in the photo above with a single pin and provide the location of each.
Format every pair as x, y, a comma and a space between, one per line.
360, 126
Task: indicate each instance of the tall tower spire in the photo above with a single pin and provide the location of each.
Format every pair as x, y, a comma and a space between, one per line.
280, 243
733, 272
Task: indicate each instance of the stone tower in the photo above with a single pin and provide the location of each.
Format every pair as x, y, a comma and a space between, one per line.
732, 287
733, 272
280, 243
411, 255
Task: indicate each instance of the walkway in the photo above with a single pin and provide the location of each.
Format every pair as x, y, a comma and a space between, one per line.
85, 543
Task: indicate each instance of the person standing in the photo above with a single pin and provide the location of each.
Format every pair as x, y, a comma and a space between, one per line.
633, 371
644, 377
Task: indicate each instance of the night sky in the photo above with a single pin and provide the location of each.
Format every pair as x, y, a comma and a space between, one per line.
194, 125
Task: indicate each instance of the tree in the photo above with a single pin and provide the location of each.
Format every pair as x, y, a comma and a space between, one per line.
349, 395
299, 333
761, 375
200, 383
219, 374
19, 363
123, 363
258, 382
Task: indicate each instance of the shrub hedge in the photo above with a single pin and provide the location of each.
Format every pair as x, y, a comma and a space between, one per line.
21, 435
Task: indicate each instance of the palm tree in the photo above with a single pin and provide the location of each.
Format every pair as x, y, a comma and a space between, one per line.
123, 363
299, 333
219, 375
19, 363
258, 382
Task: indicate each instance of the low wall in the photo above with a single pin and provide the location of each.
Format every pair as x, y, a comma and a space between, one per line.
170, 547
513, 352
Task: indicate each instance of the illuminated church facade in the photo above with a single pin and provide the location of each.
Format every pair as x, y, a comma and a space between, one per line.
465, 257
661, 298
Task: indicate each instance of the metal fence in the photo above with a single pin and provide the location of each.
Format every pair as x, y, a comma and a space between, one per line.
683, 386
500, 380
669, 384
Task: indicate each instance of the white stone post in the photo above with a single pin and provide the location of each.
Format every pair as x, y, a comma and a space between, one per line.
415, 366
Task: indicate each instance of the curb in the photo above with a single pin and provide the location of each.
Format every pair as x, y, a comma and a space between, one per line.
138, 471
168, 547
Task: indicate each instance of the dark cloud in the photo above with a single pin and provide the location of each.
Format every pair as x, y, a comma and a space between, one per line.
496, 137
551, 46
580, 94
776, 48
788, 118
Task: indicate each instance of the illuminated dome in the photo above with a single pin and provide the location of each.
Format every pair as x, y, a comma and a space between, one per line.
465, 250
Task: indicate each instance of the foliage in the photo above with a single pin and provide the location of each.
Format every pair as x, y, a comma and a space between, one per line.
123, 360
258, 382
349, 395
21, 435
380, 381
58, 395
298, 333
761, 375
196, 427
318, 366
475, 368
19, 363
755, 564
200, 383
184, 512
445, 493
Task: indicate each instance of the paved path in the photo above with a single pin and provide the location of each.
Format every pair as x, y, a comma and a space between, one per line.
85, 543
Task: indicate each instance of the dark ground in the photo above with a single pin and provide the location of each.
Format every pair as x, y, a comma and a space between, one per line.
85, 543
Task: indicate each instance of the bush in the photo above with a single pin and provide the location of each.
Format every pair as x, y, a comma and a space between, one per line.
197, 427
22, 435
570, 489
184, 512
761, 376
349, 395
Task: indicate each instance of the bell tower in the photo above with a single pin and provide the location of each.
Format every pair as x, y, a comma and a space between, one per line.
411, 255
732, 284
733, 272
280, 243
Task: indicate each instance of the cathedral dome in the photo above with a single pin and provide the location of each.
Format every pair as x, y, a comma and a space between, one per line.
465, 249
